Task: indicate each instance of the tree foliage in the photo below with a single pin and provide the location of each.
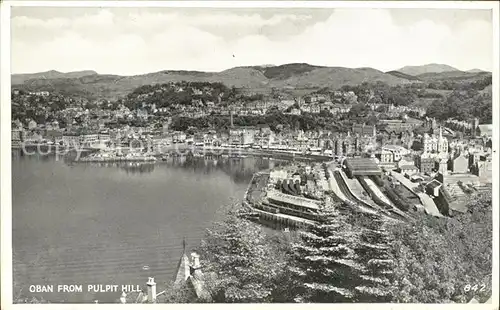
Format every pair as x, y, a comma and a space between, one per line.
178, 294
246, 263
275, 120
463, 105
438, 257
343, 259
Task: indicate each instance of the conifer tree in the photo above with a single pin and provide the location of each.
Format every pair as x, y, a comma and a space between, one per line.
374, 253
325, 265
343, 259
245, 264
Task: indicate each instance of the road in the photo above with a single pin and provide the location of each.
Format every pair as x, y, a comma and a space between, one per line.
427, 201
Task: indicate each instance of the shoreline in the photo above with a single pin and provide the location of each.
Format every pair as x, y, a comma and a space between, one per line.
197, 151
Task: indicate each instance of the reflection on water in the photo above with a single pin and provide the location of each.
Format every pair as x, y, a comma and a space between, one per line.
101, 223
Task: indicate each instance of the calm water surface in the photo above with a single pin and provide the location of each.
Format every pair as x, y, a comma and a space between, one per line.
101, 224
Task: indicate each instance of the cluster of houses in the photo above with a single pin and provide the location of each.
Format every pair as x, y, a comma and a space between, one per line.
392, 110
472, 127
438, 154
333, 108
253, 108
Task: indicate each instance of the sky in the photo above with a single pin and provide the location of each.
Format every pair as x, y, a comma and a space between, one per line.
129, 41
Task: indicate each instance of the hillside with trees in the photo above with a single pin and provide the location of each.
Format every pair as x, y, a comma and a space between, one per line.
441, 260
463, 105
353, 256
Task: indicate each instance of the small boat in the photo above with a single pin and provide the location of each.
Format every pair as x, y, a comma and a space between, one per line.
145, 268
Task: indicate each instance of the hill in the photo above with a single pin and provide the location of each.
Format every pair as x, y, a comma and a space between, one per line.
476, 71
52, 74
284, 72
453, 76
403, 76
256, 77
336, 77
429, 68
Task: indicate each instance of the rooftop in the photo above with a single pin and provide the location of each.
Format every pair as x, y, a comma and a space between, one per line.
486, 129
294, 200
362, 164
433, 184
396, 148
408, 167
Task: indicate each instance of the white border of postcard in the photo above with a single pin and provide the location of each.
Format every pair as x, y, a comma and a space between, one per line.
5, 138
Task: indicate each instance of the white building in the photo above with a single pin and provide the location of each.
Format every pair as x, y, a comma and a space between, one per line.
397, 151
435, 144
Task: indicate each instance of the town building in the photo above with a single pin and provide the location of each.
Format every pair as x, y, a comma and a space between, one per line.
364, 130
399, 125
397, 151
242, 135
483, 168
104, 137
432, 144
485, 130
71, 139
292, 205
425, 163
432, 188
386, 156
87, 140
179, 137
190, 273
361, 167
17, 136
473, 159
408, 170
441, 165
458, 164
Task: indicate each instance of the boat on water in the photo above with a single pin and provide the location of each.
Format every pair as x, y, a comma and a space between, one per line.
112, 157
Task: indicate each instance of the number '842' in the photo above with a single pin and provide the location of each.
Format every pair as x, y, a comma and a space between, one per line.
474, 288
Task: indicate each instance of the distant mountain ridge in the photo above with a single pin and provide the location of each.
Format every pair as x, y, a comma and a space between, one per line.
476, 70
295, 75
52, 74
436, 72
429, 68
